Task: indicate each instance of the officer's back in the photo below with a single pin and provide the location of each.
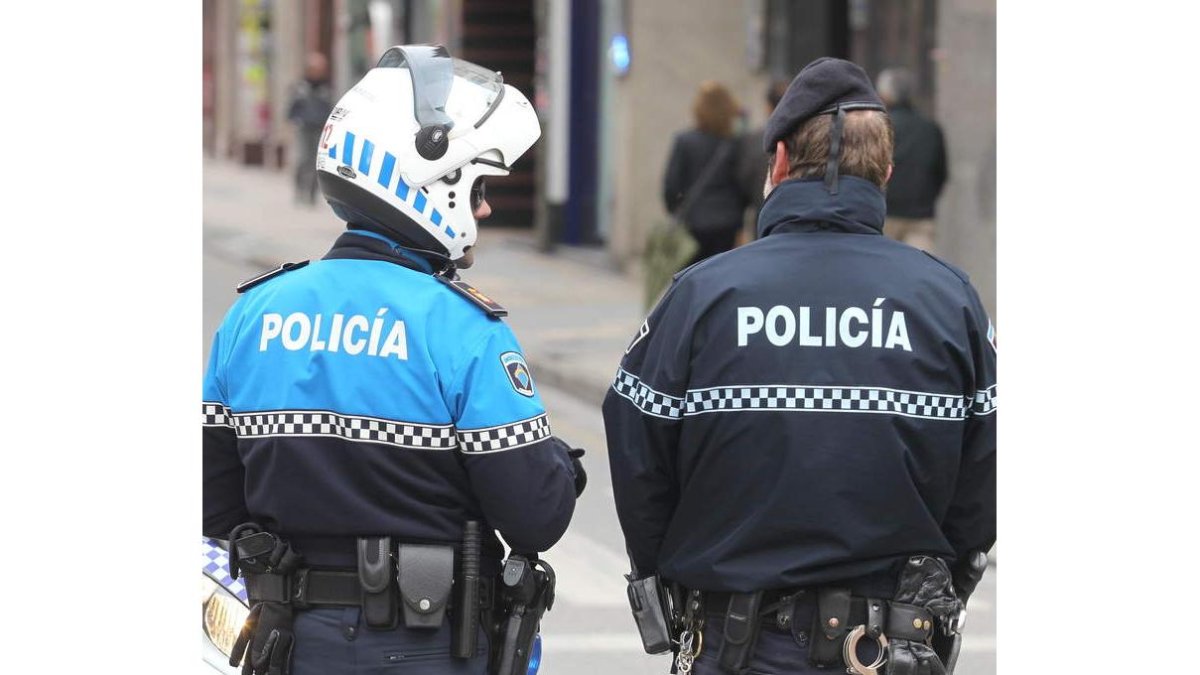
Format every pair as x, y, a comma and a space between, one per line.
370, 421
803, 430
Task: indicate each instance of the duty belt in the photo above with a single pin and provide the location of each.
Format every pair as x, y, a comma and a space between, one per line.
783, 607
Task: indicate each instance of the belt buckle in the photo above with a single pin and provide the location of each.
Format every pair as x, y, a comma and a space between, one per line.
850, 653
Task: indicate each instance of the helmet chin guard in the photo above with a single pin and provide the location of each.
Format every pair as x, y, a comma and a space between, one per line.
404, 147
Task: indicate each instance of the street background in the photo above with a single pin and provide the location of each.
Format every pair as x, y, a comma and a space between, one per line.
612, 81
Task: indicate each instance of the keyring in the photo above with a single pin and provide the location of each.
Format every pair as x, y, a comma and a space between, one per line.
850, 653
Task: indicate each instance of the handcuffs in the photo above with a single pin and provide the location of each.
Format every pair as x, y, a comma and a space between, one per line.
850, 653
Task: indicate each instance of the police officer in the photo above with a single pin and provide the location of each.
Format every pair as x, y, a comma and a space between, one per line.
371, 396
802, 434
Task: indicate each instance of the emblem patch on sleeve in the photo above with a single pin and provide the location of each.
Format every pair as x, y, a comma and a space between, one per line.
642, 332
518, 373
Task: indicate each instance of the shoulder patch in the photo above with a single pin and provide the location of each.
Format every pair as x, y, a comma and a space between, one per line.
957, 272
518, 373
488, 305
642, 332
267, 276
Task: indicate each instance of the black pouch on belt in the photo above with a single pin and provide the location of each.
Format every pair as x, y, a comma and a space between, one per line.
830, 627
741, 631
425, 575
379, 606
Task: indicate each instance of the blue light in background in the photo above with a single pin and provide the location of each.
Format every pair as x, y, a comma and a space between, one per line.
619, 51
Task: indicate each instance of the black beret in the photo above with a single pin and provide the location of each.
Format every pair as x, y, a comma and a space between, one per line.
820, 87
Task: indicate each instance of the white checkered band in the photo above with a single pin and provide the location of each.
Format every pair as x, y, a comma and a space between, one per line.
216, 415
828, 399
216, 566
504, 437
985, 401
650, 401
349, 427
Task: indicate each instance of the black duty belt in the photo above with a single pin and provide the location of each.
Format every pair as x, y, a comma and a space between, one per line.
307, 587
784, 607
311, 587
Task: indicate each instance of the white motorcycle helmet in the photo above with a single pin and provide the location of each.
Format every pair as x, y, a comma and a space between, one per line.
406, 149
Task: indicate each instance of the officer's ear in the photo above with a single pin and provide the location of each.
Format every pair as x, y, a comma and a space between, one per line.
888, 177
779, 167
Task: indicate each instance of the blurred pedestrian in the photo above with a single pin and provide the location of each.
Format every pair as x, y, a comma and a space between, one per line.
365, 411
700, 184
752, 163
311, 103
802, 434
920, 161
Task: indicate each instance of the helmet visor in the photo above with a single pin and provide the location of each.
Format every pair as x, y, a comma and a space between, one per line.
434, 72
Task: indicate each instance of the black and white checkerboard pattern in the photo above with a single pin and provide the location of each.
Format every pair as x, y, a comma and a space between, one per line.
216, 565
985, 401
504, 437
650, 401
827, 399
349, 427
216, 414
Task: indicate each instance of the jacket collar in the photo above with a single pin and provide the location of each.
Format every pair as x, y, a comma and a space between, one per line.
368, 245
804, 205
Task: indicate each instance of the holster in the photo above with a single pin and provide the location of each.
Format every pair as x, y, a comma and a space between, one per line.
525, 593
425, 576
741, 631
649, 613
379, 607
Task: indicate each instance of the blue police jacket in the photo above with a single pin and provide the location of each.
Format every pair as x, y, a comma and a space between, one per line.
360, 396
812, 407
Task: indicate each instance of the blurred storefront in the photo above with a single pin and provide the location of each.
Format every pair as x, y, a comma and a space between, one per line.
613, 81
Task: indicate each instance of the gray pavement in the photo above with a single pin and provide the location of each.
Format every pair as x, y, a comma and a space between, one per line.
573, 317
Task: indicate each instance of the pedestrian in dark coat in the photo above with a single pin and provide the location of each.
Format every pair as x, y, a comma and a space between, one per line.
920, 164
716, 213
311, 103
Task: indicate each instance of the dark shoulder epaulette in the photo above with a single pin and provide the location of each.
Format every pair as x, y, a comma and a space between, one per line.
285, 267
957, 272
488, 305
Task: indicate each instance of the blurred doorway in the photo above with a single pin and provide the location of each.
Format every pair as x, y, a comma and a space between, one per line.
502, 35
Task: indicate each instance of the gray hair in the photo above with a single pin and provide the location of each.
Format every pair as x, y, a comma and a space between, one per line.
895, 85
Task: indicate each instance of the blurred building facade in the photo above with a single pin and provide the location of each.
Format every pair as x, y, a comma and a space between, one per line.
613, 81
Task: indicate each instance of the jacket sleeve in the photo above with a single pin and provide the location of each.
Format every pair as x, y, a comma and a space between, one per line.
521, 475
224, 476
675, 177
970, 523
643, 411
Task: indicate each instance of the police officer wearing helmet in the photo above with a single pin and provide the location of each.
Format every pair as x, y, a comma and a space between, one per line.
360, 411
802, 434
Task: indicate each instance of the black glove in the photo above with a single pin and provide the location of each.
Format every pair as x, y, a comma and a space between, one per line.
580, 474
265, 641
905, 657
925, 582
967, 574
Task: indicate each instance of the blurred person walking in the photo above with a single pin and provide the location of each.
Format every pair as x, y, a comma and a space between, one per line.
700, 185
311, 103
920, 161
751, 162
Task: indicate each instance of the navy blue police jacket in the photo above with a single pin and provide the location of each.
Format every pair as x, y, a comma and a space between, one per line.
360, 396
810, 408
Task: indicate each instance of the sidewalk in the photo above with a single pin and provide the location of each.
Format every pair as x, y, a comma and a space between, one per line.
573, 314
